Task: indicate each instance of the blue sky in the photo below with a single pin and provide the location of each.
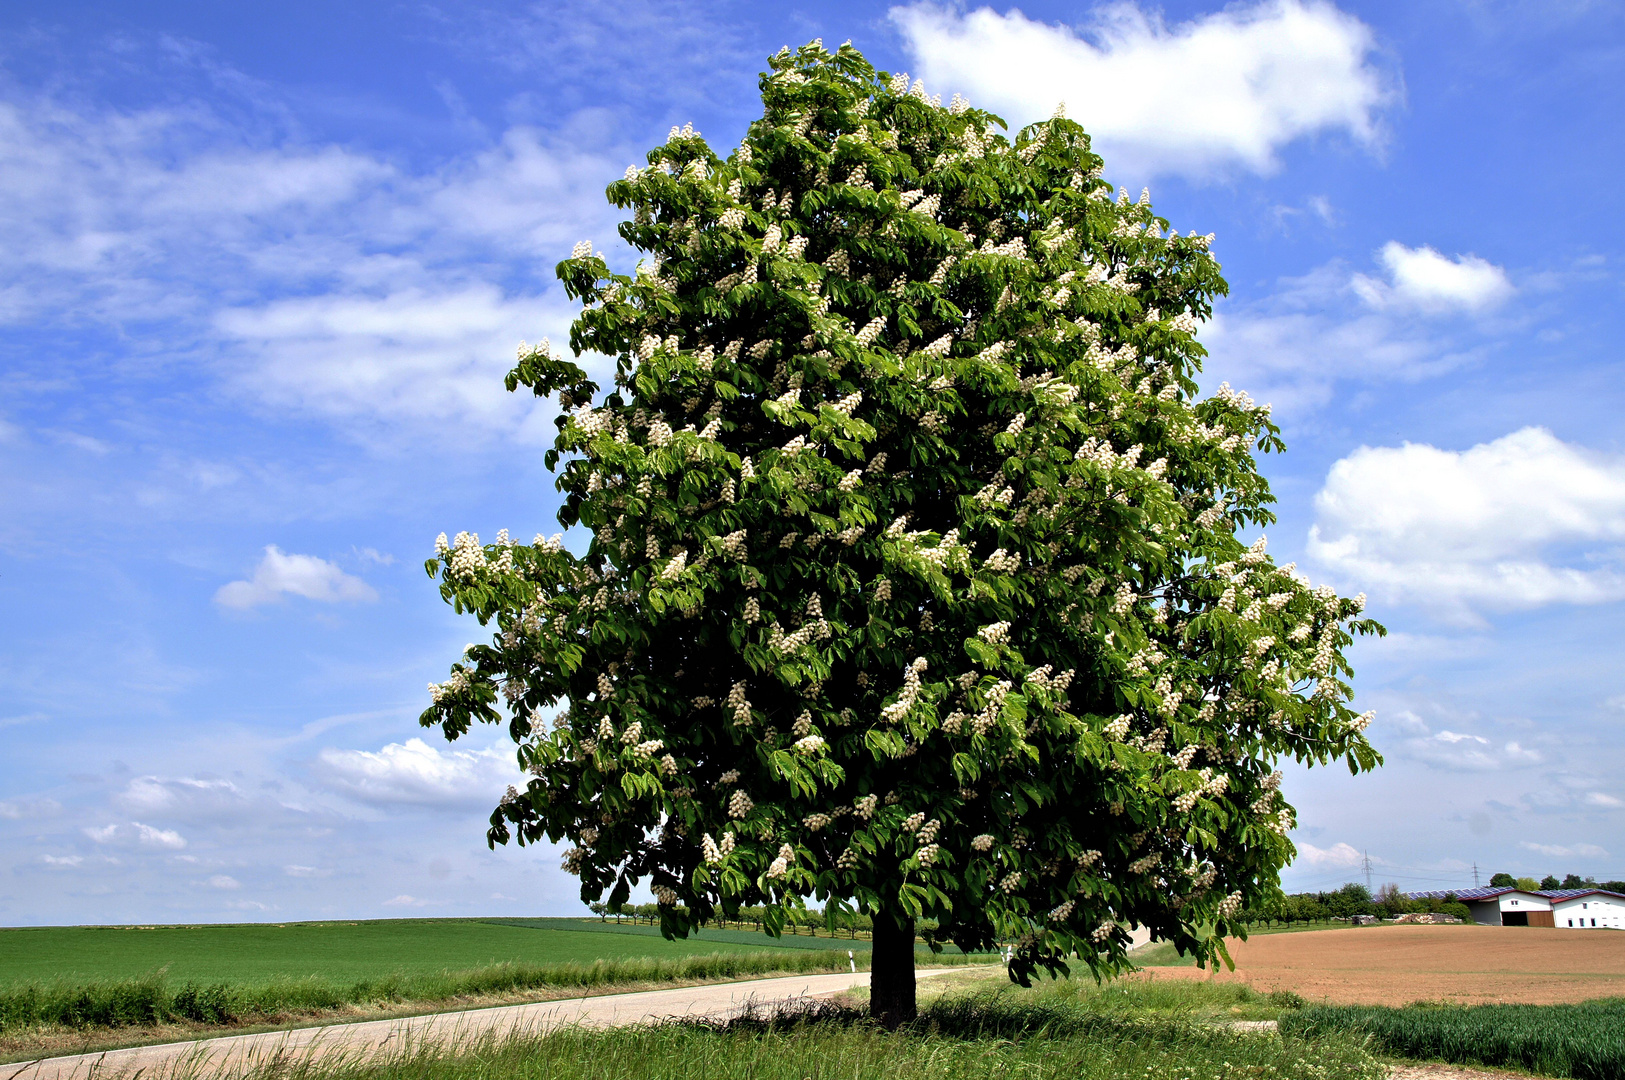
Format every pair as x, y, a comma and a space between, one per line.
263, 266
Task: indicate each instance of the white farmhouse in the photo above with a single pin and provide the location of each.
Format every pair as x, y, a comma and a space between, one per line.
1587, 908
1561, 908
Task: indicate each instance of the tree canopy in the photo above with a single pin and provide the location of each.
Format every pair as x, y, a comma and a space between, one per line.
913, 580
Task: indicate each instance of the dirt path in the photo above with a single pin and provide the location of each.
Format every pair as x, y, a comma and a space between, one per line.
1398, 965
212, 1056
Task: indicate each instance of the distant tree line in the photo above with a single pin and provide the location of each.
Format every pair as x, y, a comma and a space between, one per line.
1570, 881
1344, 903
1286, 910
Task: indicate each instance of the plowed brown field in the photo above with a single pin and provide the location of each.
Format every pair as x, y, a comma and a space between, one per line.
1396, 965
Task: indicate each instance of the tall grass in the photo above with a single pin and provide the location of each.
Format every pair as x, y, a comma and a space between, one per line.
152, 1000
1586, 1041
1041, 1037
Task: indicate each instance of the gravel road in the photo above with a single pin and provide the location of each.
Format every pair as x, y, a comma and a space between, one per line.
210, 1057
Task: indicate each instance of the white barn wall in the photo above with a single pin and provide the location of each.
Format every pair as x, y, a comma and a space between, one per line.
1601, 912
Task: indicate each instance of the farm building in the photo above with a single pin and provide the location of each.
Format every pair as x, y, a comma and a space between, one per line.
1562, 908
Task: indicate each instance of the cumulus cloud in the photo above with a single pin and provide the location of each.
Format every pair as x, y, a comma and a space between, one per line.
415, 772
404, 900
1604, 800
1520, 522
279, 574
1422, 278
1221, 92
62, 860
224, 881
1339, 856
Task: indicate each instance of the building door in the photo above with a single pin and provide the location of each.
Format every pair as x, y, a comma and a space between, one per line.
1541, 918
1514, 918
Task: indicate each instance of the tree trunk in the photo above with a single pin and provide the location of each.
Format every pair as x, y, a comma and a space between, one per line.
891, 974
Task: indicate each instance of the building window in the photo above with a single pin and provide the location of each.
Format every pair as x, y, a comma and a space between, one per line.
1571, 922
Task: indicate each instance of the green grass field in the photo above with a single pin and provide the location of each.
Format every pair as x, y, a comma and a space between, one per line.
257, 953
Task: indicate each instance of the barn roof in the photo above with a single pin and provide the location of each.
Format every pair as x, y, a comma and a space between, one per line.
1471, 895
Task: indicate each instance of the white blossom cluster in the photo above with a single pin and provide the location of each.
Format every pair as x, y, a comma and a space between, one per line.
898, 709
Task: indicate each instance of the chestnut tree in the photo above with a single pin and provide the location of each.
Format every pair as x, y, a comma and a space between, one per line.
914, 582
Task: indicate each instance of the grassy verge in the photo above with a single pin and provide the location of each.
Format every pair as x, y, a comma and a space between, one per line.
54, 1018
152, 1000
1586, 1041
1040, 1034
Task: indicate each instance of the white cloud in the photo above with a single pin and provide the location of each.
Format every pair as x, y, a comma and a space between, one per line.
295, 870
301, 575
403, 900
23, 809
145, 835
1422, 278
249, 905
161, 795
1520, 755
315, 279
1224, 91
431, 355
1520, 522
161, 838
1449, 748
224, 881
1590, 851
1453, 751
415, 772
1608, 802
62, 860
1338, 856
1293, 347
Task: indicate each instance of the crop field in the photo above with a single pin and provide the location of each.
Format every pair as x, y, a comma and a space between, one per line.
1398, 965
1586, 1042
256, 953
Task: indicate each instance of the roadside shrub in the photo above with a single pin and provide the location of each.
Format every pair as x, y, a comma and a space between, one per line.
203, 1004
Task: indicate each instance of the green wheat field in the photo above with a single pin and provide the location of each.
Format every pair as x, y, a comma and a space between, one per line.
253, 953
